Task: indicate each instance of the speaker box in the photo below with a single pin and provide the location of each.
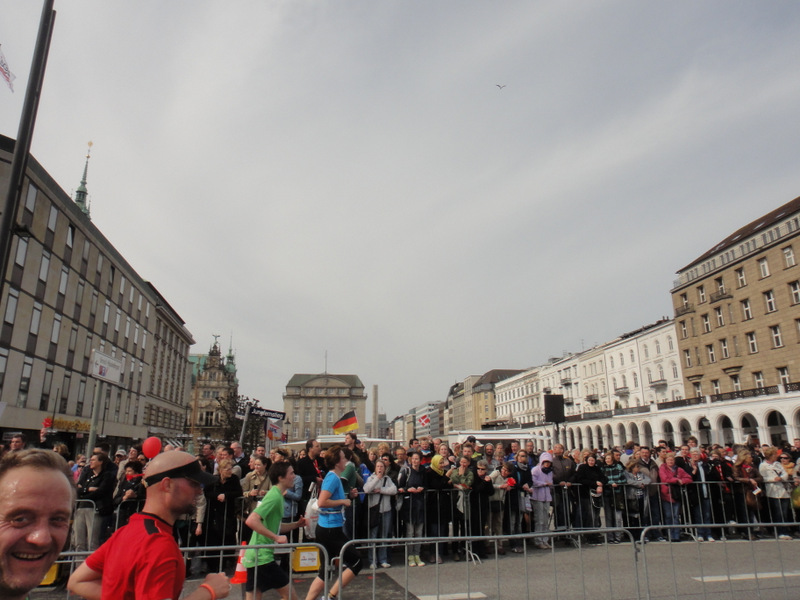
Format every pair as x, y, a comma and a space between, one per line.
554, 408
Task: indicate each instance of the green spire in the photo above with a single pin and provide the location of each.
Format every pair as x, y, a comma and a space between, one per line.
81, 192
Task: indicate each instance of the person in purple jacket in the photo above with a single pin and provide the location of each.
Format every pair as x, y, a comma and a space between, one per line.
541, 496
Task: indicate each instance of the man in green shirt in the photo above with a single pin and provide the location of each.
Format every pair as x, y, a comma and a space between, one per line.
263, 573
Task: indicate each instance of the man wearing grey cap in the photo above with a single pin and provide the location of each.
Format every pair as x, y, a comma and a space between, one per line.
142, 560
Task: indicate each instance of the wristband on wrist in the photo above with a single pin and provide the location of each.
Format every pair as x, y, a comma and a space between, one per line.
210, 590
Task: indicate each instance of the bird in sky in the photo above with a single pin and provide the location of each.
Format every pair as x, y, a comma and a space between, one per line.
500, 86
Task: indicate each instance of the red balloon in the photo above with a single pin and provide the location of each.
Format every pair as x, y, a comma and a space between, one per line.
151, 447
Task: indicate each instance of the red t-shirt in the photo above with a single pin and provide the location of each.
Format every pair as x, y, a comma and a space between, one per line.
141, 561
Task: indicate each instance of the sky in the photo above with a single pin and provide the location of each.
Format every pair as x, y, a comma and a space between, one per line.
347, 179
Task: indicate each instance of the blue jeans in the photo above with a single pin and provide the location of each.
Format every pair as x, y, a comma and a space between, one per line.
381, 530
701, 515
672, 516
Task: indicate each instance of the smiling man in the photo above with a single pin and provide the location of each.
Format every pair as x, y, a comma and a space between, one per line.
36, 501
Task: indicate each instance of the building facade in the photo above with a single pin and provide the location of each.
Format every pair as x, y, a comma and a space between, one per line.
68, 291
215, 394
314, 402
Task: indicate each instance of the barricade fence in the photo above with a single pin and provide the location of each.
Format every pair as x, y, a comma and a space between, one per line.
447, 513
570, 568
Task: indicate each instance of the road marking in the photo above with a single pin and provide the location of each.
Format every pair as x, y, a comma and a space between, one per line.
746, 576
464, 596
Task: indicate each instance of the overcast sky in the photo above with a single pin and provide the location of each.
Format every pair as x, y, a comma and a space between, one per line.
348, 177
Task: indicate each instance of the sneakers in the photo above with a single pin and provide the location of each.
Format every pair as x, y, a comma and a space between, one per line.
412, 560
418, 560
372, 567
785, 537
386, 565
710, 539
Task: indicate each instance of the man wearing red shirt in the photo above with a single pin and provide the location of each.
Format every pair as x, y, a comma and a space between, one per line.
142, 561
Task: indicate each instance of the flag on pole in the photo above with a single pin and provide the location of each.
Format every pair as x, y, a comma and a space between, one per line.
274, 431
424, 421
6, 73
347, 423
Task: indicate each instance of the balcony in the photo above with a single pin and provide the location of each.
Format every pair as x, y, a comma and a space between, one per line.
566, 381
751, 393
792, 387
685, 309
679, 403
568, 401
593, 398
720, 295
622, 391
632, 410
658, 383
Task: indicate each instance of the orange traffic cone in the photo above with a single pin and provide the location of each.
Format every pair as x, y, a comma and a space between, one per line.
240, 576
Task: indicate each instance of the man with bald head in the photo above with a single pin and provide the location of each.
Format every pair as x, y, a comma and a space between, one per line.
142, 559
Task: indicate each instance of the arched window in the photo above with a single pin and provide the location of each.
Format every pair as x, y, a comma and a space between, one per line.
674, 371
633, 357
658, 346
646, 351
621, 359
611, 360
660, 372
635, 380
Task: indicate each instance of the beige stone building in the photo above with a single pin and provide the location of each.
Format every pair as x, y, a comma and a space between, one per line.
69, 291
737, 310
314, 402
214, 387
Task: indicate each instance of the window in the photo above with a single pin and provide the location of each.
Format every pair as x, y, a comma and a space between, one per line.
752, 343
715, 386
741, 280
22, 251
684, 331
11, 306
794, 291
44, 267
763, 267
687, 358
633, 357
621, 359
783, 375
30, 198
698, 389
701, 294
56, 329
720, 318
712, 357
62, 284
736, 383
758, 379
3, 364
723, 346
788, 257
720, 285
36, 319
777, 340
669, 345
611, 359
47, 384
769, 301
747, 312
51, 222
25, 382
674, 370
706, 323
646, 354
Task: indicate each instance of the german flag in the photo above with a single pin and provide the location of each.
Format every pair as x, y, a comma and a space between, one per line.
347, 423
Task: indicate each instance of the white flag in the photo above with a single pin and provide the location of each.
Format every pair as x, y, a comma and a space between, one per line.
5, 72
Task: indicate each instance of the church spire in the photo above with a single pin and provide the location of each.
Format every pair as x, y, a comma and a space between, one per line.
81, 192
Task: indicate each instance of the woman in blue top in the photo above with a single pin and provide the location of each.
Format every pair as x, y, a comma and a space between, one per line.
329, 528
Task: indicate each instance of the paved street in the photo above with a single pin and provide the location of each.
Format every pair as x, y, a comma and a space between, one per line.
718, 571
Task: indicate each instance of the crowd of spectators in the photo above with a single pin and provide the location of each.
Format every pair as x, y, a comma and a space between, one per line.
428, 489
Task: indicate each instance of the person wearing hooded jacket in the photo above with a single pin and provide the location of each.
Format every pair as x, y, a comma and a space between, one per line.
541, 496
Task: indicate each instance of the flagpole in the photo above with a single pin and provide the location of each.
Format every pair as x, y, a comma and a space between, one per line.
22, 146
